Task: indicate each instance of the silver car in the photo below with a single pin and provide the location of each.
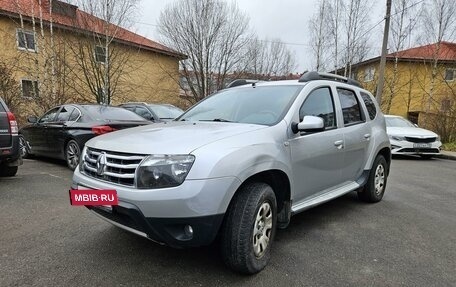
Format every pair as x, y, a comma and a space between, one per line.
241, 163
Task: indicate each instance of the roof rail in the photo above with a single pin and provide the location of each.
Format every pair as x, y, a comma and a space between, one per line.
241, 82
313, 76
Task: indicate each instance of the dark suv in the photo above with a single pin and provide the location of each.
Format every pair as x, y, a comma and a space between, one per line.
10, 157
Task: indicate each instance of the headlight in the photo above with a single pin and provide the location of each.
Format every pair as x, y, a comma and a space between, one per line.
159, 171
397, 138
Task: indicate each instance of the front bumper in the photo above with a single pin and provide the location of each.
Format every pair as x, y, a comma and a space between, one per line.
409, 148
163, 215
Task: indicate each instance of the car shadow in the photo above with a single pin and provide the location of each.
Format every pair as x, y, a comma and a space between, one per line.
121, 248
59, 162
411, 157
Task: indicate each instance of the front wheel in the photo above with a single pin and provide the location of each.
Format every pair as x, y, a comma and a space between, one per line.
375, 187
72, 154
249, 228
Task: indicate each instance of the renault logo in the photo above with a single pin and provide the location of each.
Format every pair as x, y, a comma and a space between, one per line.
101, 163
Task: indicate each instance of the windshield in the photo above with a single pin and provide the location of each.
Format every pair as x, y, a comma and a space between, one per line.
112, 113
253, 105
398, 122
166, 112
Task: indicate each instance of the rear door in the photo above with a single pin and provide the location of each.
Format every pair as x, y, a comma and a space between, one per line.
357, 134
5, 135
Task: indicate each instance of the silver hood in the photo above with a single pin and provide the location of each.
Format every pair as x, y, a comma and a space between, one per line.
169, 138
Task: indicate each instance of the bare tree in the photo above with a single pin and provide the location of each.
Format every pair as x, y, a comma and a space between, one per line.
102, 61
214, 35
269, 58
320, 35
9, 88
404, 19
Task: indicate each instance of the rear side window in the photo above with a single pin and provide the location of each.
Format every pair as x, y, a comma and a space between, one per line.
319, 103
65, 113
369, 102
350, 107
112, 113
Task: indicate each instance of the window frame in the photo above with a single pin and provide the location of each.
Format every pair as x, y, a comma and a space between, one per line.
95, 54
333, 105
26, 48
37, 90
371, 74
453, 70
361, 109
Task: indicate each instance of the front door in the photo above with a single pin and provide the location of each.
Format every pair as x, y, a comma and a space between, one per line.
317, 158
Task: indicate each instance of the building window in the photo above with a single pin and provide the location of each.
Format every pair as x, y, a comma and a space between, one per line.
449, 75
29, 88
26, 40
446, 105
100, 54
369, 74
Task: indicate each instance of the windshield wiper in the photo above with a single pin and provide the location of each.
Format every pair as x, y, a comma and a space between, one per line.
217, 120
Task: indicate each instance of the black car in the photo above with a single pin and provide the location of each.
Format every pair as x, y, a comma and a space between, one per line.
9, 142
62, 131
154, 112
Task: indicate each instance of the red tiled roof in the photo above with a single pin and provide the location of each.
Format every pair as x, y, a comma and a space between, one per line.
81, 21
447, 52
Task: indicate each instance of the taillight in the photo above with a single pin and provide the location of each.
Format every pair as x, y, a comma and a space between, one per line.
99, 130
12, 123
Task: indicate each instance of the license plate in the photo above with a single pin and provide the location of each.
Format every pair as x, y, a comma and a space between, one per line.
105, 198
422, 145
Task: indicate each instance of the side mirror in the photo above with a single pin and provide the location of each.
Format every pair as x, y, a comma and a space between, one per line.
32, 119
309, 124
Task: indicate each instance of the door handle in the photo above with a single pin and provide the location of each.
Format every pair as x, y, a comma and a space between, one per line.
367, 136
339, 144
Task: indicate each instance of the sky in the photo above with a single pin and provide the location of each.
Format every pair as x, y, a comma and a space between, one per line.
283, 19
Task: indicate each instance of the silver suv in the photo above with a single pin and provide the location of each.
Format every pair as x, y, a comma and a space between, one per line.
240, 163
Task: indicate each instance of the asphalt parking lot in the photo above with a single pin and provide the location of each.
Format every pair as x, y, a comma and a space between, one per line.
408, 239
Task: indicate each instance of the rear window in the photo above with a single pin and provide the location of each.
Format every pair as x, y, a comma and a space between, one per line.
112, 113
166, 112
371, 109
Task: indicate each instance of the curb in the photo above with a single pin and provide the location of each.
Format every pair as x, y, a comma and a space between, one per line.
446, 156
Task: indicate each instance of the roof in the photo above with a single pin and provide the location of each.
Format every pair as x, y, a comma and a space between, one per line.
70, 17
447, 52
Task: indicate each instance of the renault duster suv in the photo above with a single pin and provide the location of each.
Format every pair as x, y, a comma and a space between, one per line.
240, 163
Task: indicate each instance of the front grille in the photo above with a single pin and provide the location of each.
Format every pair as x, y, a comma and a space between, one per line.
119, 168
420, 140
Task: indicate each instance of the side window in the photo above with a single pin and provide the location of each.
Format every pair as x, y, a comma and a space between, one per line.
369, 102
350, 107
49, 116
74, 115
65, 113
319, 103
143, 112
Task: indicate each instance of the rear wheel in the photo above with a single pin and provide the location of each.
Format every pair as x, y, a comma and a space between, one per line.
72, 154
23, 147
375, 187
7, 171
249, 229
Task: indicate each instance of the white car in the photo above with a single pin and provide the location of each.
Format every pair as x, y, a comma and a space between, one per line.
408, 139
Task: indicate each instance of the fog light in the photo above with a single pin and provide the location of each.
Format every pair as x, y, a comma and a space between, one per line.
188, 229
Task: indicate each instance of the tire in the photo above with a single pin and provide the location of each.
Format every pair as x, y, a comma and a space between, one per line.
253, 209
23, 148
8, 171
375, 187
72, 154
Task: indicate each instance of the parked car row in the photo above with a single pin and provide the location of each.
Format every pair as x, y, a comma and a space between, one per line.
62, 131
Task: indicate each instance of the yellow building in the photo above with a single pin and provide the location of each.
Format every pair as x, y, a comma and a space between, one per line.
58, 53
420, 84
